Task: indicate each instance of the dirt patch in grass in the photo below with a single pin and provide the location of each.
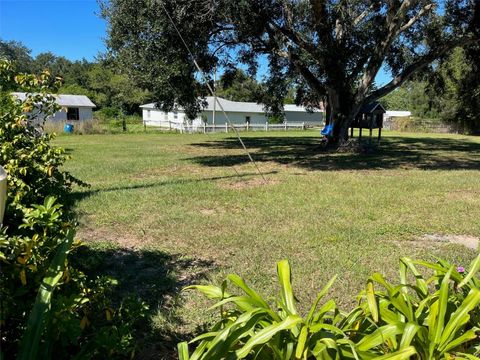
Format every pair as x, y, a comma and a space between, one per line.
465, 195
124, 240
206, 211
246, 184
429, 240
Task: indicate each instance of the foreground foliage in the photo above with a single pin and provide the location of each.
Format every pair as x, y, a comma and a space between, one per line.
434, 317
48, 306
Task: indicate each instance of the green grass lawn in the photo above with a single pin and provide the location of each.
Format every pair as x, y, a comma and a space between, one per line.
168, 210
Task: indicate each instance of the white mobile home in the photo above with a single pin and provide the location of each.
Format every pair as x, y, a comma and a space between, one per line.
74, 107
239, 113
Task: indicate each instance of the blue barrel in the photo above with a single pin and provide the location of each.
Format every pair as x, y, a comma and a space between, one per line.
68, 128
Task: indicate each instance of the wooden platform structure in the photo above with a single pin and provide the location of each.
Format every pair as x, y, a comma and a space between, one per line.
369, 117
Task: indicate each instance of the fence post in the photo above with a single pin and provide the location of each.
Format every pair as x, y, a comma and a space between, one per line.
3, 193
266, 125
303, 125
226, 127
248, 126
169, 125
204, 128
285, 125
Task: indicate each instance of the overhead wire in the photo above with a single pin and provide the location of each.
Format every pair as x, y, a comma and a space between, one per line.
202, 73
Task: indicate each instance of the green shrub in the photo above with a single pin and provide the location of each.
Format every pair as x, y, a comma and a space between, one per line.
46, 302
420, 318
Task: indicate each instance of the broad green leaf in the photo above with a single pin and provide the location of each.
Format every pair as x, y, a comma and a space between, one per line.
460, 317
420, 282
237, 280
302, 339
320, 295
332, 328
439, 269
379, 336
372, 301
183, 351
408, 335
266, 334
207, 336
474, 268
243, 302
284, 277
442, 306
399, 355
211, 291
467, 336
460, 355
324, 309
227, 337
36, 320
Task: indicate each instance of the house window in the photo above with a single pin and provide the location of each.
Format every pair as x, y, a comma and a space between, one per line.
247, 119
73, 114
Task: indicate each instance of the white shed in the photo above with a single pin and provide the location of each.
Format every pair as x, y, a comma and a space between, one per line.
74, 107
239, 113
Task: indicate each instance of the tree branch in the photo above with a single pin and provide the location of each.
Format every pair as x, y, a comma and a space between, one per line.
417, 17
296, 38
416, 66
362, 15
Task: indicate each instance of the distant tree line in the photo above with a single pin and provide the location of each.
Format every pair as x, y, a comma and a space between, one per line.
450, 92
111, 90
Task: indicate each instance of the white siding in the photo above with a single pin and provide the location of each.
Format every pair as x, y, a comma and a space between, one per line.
84, 114
235, 117
154, 117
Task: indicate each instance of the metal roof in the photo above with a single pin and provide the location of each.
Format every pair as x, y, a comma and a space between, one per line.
65, 100
237, 106
371, 107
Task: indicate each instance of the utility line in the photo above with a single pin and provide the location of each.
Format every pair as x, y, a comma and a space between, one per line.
202, 73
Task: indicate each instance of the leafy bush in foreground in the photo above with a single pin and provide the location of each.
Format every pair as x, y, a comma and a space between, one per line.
419, 318
48, 308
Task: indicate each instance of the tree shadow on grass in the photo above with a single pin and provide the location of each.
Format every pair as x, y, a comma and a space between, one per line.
153, 277
393, 153
76, 196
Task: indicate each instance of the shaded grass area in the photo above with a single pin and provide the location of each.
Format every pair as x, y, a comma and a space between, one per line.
168, 210
435, 153
153, 277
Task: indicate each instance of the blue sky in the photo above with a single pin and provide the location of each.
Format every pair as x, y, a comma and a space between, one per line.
69, 28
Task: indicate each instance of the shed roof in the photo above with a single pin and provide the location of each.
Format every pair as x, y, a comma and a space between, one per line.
237, 106
371, 107
65, 100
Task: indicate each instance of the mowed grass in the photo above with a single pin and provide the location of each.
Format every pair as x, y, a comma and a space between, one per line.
168, 210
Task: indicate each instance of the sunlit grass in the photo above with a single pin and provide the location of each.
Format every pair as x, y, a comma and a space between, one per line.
335, 213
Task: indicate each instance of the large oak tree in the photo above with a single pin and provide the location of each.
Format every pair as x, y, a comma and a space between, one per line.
331, 49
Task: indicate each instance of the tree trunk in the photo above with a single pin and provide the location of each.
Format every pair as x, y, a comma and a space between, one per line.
340, 111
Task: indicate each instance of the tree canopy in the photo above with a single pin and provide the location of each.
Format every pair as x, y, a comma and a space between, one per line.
101, 81
331, 50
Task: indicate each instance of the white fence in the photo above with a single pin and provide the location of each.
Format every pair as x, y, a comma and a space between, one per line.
204, 128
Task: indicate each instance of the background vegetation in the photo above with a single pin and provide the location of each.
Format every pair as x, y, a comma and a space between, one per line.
450, 94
